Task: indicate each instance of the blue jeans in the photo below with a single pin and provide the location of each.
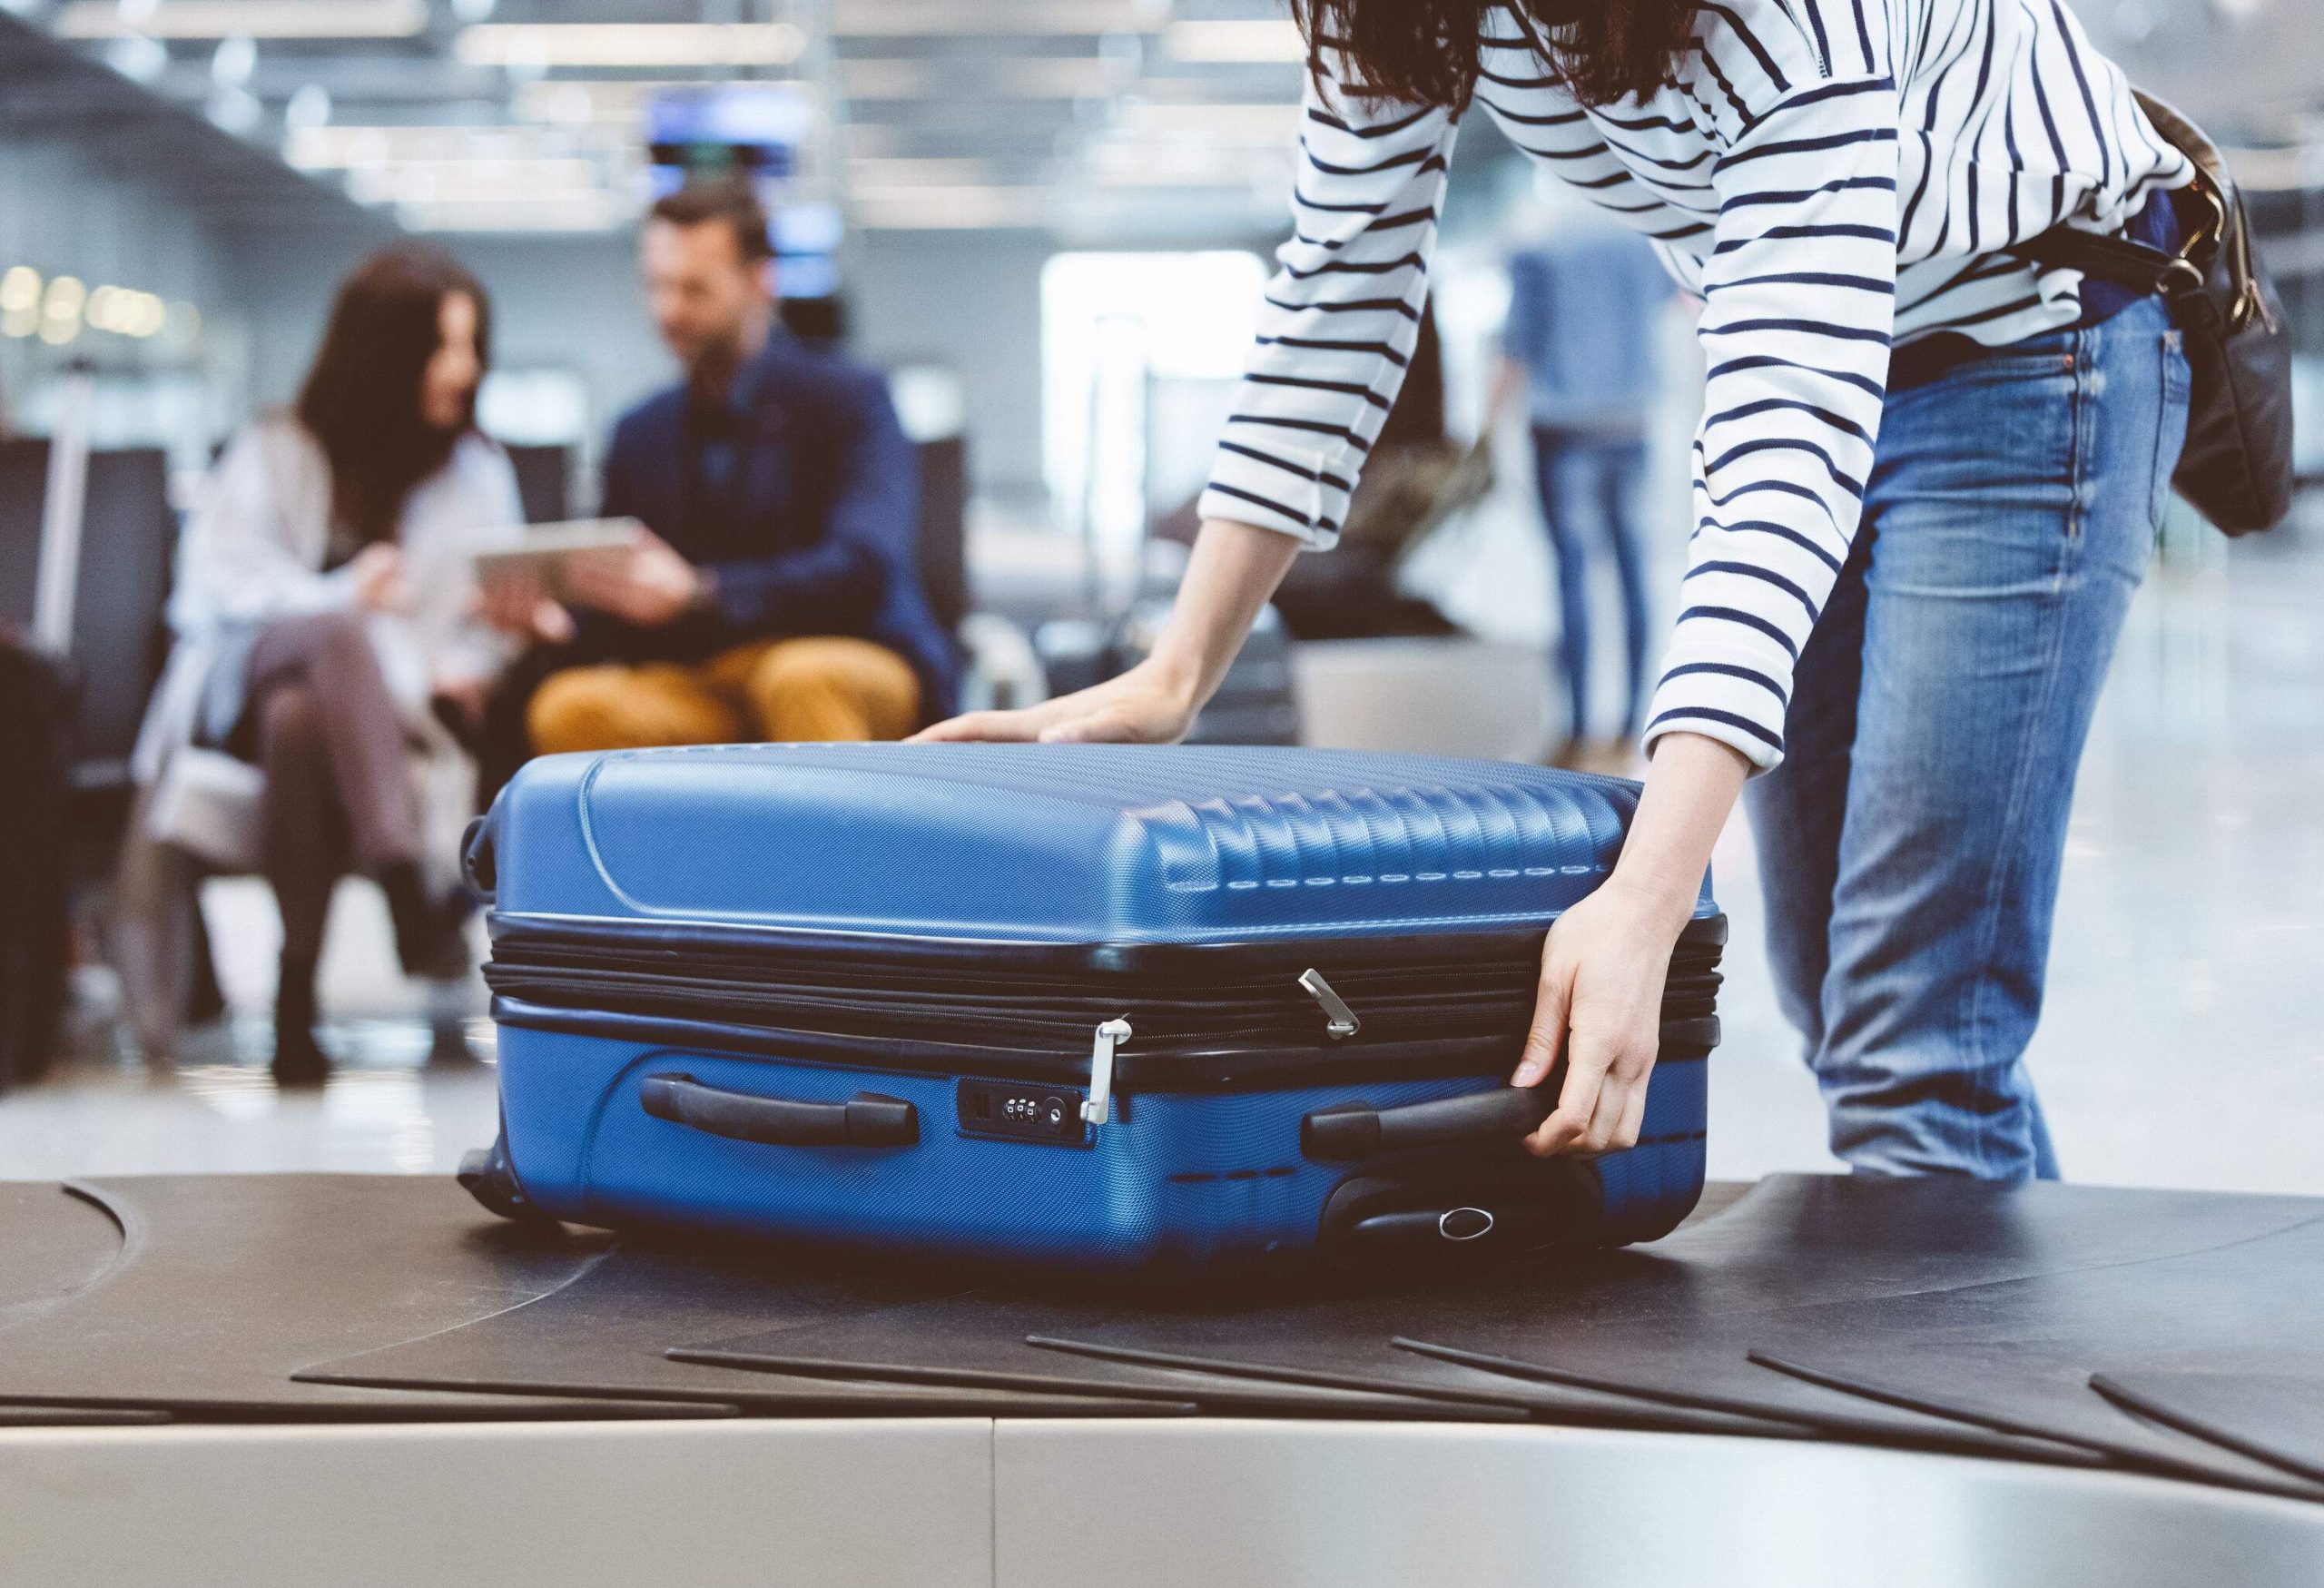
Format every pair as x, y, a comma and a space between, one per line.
1909, 844
1590, 488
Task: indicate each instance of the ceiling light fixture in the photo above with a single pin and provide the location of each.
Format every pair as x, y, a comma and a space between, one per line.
309, 107
222, 19
994, 19
60, 310
234, 61
972, 209
547, 46
137, 57
20, 295
1242, 42
909, 171
234, 110
1026, 77
1269, 125
125, 311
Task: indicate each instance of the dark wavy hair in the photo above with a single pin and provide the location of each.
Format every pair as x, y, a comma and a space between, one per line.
361, 397
1424, 51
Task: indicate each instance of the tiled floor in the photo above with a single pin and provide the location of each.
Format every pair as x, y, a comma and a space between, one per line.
2181, 1045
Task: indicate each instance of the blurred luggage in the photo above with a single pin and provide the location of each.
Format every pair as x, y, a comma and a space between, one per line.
40, 549
1255, 704
35, 863
1406, 495
1103, 1007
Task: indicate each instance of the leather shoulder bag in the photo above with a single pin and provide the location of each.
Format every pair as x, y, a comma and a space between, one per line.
2236, 467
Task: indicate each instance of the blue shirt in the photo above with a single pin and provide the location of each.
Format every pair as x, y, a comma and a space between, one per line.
800, 494
1582, 321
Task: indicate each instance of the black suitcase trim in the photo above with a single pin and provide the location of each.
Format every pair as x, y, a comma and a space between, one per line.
1260, 1069
1207, 1018
516, 935
1279, 1014
1432, 1005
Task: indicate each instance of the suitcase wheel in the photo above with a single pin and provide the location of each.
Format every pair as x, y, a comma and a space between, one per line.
487, 1175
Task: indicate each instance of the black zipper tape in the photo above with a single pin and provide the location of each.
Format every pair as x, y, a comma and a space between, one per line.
1425, 995
897, 959
1274, 1067
1438, 1005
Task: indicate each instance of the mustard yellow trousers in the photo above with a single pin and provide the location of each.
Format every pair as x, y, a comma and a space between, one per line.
820, 687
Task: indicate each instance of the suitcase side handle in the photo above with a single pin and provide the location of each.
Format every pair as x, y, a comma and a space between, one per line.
866, 1119
477, 862
1351, 1131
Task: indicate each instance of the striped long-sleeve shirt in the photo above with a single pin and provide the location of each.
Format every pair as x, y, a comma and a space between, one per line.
1830, 176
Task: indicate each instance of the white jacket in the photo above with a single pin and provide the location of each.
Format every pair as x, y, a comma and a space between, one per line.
252, 553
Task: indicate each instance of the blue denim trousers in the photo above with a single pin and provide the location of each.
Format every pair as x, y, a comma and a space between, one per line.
1909, 844
1590, 487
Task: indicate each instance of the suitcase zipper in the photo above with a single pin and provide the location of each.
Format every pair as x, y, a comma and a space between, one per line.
1340, 1019
1099, 1104
918, 1016
1439, 1001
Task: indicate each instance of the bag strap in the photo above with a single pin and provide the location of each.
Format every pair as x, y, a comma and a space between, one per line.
2226, 234
2133, 265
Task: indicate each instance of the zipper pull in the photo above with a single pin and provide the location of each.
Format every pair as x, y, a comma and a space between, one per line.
1341, 1020
1101, 1101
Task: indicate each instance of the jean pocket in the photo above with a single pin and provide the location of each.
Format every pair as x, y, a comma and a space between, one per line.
2170, 427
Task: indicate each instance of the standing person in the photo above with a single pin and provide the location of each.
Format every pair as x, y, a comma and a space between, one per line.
1579, 342
1906, 571
775, 592
323, 612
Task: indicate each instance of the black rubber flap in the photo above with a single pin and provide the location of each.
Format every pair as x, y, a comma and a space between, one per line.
1006, 1334
2276, 1417
218, 1287
605, 1335
2222, 1292
1343, 1336
979, 1339
1671, 1322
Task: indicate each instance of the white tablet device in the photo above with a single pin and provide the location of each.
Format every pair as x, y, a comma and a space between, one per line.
543, 549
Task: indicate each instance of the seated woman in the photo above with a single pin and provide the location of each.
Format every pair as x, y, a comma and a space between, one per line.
324, 608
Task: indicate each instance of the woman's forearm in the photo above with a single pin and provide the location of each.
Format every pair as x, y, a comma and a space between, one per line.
1233, 570
1691, 788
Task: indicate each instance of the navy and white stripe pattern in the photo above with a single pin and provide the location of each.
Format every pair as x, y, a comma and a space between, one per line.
1830, 176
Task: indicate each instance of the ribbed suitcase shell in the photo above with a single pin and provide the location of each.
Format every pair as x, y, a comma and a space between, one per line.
1105, 859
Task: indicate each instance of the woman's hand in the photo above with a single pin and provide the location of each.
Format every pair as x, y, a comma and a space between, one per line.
462, 694
377, 574
1234, 569
1600, 1008
1603, 969
517, 604
1146, 706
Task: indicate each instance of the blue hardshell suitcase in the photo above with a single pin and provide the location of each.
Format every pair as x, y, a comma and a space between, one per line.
1104, 1007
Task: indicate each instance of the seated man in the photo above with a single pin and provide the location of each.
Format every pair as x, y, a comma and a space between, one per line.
773, 594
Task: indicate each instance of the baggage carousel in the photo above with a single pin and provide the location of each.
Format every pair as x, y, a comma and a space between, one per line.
351, 1379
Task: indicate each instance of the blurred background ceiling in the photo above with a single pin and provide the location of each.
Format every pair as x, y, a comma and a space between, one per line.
526, 115
1083, 117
